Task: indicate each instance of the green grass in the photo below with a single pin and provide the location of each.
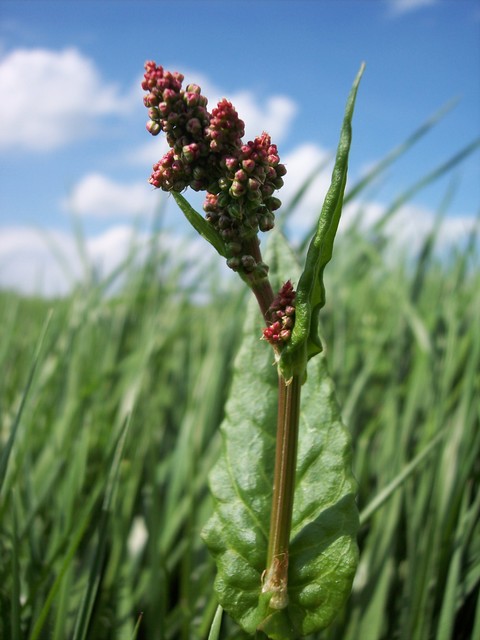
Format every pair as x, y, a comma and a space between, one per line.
146, 356
404, 346
109, 415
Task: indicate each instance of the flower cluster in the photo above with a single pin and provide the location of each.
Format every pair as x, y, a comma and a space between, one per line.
243, 202
226, 130
282, 315
207, 154
183, 117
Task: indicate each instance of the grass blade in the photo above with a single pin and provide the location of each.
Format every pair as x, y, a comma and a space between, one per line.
5, 455
15, 613
216, 624
427, 179
410, 468
96, 570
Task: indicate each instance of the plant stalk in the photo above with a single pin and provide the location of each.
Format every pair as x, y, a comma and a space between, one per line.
276, 575
260, 286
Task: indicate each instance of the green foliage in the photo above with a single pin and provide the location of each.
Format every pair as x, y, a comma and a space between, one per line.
146, 355
323, 552
412, 398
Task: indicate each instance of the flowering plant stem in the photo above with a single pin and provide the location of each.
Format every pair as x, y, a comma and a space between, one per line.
268, 580
259, 284
276, 575
276, 572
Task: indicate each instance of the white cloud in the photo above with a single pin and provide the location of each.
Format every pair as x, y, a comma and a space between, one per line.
50, 98
98, 196
409, 226
399, 7
274, 116
300, 163
107, 250
51, 264
29, 265
148, 153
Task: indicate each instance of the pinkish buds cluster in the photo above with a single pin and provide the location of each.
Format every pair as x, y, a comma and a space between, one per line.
226, 130
282, 316
183, 117
207, 154
244, 203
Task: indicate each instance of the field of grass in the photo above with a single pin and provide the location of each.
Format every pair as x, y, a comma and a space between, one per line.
109, 415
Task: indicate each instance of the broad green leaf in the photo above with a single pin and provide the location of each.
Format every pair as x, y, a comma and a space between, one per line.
200, 224
310, 296
323, 550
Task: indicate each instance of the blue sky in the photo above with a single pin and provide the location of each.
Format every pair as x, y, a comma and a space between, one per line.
72, 122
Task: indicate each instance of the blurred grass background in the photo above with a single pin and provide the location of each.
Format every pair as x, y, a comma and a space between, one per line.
110, 407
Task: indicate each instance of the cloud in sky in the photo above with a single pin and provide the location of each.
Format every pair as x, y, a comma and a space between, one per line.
50, 264
300, 163
400, 7
147, 153
97, 196
50, 98
274, 116
29, 265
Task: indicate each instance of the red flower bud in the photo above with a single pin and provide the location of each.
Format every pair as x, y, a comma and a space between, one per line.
153, 127
240, 175
230, 163
237, 189
248, 165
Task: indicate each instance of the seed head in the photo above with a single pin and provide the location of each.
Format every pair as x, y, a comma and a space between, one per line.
207, 154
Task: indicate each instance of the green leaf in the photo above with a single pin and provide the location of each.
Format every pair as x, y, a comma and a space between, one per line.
200, 224
323, 550
310, 296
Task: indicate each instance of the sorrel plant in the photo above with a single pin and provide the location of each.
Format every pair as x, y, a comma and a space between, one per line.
283, 532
